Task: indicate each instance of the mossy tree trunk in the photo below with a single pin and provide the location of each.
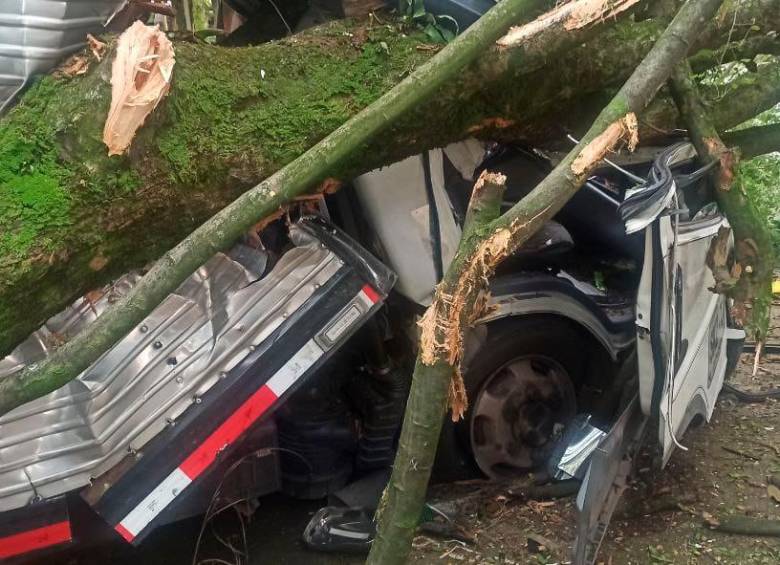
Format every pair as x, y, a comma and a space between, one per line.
332, 153
71, 218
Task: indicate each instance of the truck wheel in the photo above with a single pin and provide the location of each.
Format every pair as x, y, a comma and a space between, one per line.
522, 387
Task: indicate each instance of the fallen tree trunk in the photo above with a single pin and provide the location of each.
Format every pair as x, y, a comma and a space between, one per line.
227, 225
459, 299
71, 218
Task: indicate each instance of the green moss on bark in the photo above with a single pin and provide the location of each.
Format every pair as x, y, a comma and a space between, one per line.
265, 111
68, 212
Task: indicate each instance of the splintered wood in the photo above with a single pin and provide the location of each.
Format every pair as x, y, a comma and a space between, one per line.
457, 305
140, 78
624, 129
570, 16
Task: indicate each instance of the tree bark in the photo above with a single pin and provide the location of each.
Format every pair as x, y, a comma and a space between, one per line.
750, 280
72, 219
227, 225
460, 296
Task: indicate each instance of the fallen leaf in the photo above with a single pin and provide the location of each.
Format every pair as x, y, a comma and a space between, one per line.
96, 46
75, 65
773, 492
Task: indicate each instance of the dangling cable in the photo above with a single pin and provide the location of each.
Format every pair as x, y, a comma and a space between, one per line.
672, 361
281, 17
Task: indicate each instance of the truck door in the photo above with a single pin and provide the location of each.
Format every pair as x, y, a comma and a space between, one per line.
682, 327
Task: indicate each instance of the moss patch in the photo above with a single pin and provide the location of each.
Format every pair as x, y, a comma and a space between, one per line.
32, 193
266, 105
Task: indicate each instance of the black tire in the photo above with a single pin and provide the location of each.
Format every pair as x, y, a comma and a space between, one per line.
553, 344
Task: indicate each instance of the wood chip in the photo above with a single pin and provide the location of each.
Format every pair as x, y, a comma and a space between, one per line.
140, 78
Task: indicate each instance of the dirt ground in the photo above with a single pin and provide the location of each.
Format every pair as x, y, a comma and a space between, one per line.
661, 517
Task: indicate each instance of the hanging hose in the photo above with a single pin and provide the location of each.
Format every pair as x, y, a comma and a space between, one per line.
433, 219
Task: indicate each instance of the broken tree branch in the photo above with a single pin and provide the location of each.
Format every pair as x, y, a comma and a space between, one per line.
738, 51
755, 141
745, 526
458, 302
226, 226
750, 284
461, 293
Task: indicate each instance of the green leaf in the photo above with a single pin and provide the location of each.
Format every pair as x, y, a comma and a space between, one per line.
434, 34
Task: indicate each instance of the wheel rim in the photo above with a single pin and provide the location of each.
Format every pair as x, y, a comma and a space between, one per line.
518, 410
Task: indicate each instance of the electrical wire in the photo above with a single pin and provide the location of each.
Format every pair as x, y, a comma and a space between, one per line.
210, 513
281, 17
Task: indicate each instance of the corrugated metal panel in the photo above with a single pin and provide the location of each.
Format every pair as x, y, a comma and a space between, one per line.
36, 34
56, 443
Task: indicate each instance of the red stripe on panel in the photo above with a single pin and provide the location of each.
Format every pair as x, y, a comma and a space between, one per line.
236, 424
124, 532
372, 294
32, 540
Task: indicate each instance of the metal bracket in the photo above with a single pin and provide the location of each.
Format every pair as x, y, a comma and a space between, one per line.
605, 481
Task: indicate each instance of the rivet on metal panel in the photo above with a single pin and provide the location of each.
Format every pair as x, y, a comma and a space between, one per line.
157, 344
196, 399
316, 286
252, 348
144, 329
170, 421
222, 374
179, 379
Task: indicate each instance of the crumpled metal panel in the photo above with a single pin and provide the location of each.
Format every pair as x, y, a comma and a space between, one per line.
36, 34
57, 443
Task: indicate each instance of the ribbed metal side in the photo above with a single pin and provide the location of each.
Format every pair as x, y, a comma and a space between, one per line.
36, 34
57, 443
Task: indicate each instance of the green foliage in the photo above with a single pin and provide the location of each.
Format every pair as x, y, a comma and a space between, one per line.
760, 179
439, 29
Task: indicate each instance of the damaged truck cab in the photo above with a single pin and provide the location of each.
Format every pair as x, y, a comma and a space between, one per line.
284, 363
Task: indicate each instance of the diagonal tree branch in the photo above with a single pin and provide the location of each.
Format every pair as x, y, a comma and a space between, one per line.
755, 141
458, 297
226, 226
749, 282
